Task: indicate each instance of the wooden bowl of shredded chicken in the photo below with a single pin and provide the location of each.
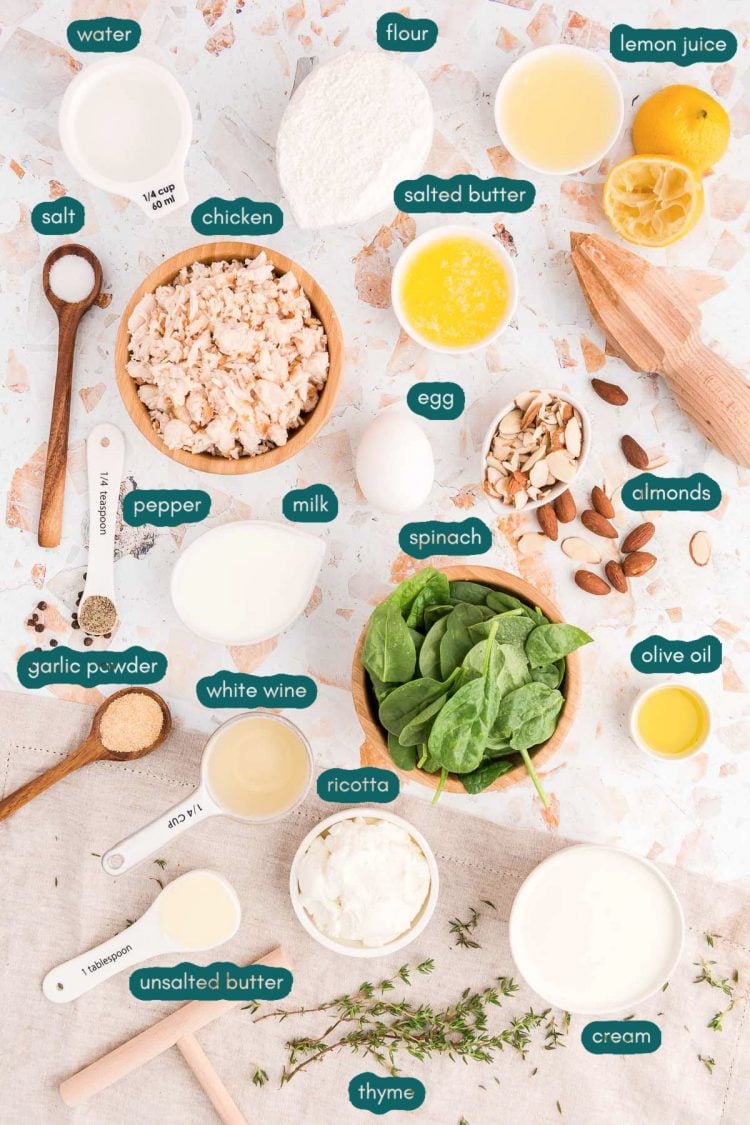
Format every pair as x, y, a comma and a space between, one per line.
229, 358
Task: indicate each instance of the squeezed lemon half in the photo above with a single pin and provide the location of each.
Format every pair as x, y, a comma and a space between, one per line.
653, 200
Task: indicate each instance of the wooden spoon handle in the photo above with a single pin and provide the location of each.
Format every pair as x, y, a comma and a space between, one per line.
89, 751
214, 1088
715, 395
53, 491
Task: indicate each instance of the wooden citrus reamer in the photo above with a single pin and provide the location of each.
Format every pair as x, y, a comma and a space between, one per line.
653, 324
175, 1030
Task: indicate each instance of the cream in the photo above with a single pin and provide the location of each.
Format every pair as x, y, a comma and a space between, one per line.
594, 930
364, 882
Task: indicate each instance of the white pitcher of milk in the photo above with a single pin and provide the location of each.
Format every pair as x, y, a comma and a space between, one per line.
125, 126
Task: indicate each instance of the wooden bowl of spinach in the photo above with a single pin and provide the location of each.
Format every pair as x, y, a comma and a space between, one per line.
466, 679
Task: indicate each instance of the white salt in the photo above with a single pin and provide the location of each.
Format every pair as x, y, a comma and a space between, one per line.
71, 278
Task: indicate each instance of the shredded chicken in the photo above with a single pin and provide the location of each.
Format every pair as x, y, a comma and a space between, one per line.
229, 358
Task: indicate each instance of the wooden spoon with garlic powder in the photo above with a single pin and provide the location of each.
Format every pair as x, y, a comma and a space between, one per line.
654, 326
128, 725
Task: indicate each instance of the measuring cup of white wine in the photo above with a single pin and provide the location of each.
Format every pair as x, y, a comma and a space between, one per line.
256, 768
125, 126
196, 912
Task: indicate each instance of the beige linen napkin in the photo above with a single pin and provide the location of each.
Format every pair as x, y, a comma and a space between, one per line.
57, 901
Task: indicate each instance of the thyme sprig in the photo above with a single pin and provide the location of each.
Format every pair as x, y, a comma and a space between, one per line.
372, 1023
463, 930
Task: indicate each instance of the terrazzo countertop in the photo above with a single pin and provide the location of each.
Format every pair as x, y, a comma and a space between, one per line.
236, 62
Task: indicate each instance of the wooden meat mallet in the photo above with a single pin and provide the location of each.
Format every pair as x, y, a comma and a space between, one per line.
654, 325
175, 1030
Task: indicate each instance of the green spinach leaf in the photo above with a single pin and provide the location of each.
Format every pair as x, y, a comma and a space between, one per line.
405, 593
548, 643
458, 640
550, 674
472, 592
484, 775
435, 592
429, 654
522, 707
512, 628
404, 757
459, 733
389, 651
433, 613
409, 700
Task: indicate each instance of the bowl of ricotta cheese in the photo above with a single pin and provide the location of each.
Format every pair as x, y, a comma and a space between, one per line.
364, 883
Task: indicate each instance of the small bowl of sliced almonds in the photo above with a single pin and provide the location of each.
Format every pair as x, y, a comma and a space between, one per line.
534, 449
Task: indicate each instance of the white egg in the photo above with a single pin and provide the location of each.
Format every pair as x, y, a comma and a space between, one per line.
395, 467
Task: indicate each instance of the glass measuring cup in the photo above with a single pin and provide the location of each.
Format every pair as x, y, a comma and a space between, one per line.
125, 126
198, 911
220, 791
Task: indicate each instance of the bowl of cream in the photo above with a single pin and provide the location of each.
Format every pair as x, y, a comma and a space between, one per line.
364, 883
595, 930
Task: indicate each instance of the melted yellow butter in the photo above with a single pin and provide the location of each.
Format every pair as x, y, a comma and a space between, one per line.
455, 291
673, 721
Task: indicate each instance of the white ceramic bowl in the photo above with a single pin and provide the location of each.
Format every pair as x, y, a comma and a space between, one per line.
532, 57
558, 994
644, 746
497, 506
425, 913
431, 236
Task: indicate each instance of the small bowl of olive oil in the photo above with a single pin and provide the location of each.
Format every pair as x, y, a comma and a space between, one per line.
670, 721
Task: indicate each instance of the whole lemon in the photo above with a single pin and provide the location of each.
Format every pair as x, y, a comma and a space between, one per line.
683, 122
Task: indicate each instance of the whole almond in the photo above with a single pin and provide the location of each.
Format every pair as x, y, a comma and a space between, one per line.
565, 507
700, 548
633, 566
638, 537
610, 392
602, 502
616, 575
598, 524
635, 454
591, 583
547, 520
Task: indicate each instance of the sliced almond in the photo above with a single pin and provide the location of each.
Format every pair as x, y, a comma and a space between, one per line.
532, 543
538, 474
520, 499
573, 437
511, 423
561, 466
524, 400
580, 550
700, 548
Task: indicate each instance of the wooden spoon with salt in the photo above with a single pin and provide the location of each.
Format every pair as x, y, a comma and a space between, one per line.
654, 326
92, 749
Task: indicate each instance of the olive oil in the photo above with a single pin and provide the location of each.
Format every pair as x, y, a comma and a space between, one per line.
672, 721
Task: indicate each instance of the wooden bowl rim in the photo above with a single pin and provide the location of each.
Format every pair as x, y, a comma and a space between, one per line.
570, 688
314, 422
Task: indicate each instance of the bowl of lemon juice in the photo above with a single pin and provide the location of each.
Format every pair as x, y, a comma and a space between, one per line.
559, 109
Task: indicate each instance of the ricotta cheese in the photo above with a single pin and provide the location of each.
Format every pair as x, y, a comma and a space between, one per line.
364, 882
352, 131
